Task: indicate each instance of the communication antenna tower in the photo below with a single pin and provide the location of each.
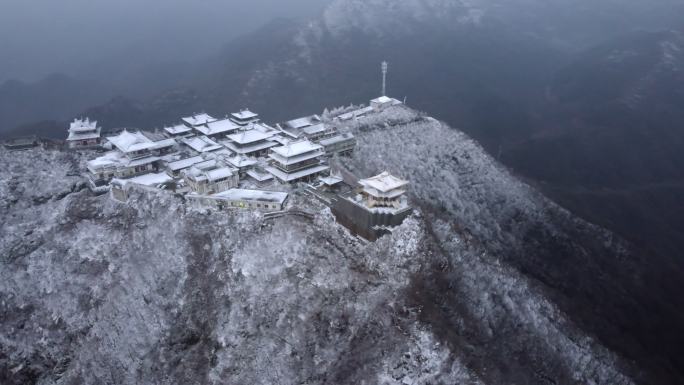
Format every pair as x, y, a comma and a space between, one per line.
385, 66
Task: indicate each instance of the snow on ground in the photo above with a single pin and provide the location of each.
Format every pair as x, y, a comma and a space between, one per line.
94, 291
113, 293
484, 219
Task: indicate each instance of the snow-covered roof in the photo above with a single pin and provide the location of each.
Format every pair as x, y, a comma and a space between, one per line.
223, 152
331, 180
219, 173
217, 127
245, 115
207, 165
281, 140
241, 161
83, 125
296, 159
108, 160
299, 123
164, 144
209, 175
259, 176
178, 129
383, 100
347, 136
115, 159
289, 177
315, 129
84, 135
168, 158
185, 163
304, 122
253, 195
383, 183
250, 148
250, 136
263, 127
293, 149
202, 144
151, 180
198, 119
141, 161
131, 141
356, 113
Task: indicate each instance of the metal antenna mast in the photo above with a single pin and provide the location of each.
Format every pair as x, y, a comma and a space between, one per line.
385, 66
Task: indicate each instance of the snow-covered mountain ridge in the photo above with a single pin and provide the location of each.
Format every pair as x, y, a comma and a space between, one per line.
544, 20
467, 291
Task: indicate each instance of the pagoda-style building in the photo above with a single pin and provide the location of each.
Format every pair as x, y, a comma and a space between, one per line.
254, 141
83, 133
373, 209
244, 117
297, 161
198, 120
384, 191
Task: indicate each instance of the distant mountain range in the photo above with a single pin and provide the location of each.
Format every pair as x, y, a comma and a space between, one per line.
57, 97
467, 48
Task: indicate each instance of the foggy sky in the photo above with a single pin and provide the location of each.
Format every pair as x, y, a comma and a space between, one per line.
39, 37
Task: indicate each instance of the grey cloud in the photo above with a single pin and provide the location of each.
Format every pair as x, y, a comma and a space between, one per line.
38, 37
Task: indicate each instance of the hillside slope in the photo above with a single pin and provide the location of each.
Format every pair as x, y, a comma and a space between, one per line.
487, 283
608, 144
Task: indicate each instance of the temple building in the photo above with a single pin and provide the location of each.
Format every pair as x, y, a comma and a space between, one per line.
136, 145
255, 141
251, 199
260, 177
198, 120
175, 168
120, 188
383, 102
319, 132
330, 183
244, 117
310, 127
341, 144
372, 210
83, 133
298, 124
297, 161
242, 163
134, 154
201, 144
178, 131
218, 128
384, 191
210, 177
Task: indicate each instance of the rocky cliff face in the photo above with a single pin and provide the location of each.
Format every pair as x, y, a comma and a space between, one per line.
487, 283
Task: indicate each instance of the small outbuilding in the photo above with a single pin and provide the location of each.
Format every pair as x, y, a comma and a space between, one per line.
120, 188
252, 199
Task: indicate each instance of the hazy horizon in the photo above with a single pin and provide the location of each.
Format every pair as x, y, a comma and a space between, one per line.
42, 37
